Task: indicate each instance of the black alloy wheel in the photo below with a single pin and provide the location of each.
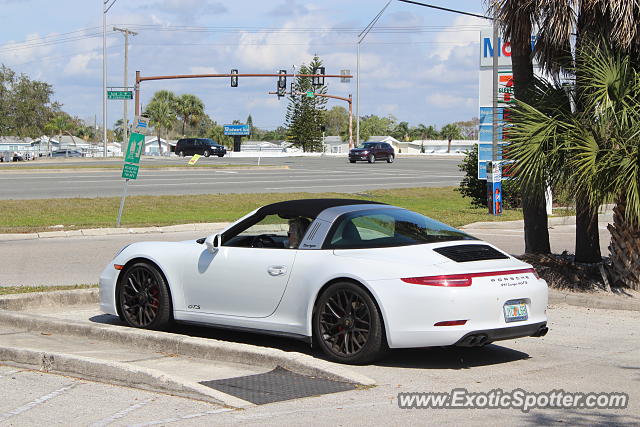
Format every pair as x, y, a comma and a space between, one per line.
143, 298
347, 324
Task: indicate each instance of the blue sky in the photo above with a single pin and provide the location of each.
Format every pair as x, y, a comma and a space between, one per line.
419, 64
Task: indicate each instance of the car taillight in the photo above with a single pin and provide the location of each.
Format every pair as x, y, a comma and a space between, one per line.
460, 280
451, 280
450, 323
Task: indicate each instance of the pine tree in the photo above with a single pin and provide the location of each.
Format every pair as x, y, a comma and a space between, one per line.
250, 124
305, 115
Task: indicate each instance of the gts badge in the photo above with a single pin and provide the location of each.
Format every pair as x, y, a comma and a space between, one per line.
194, 307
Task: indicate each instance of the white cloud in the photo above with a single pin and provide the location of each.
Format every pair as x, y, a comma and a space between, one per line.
29, 50
464, 31
450, 101
203, 70
80, 64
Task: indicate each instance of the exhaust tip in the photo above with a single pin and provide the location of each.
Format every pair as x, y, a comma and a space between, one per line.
541, 332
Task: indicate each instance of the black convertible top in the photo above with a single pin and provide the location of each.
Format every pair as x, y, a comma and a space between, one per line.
308, 208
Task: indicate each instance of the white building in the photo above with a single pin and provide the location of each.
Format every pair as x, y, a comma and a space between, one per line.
335, 144
151, 146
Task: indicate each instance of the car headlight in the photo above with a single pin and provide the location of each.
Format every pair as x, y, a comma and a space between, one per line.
121, 249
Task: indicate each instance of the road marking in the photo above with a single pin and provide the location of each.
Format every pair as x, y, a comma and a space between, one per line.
417, 184
39, 401
121, 414
182, 417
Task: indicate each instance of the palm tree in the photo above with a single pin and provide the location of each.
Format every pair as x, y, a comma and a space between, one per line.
118, 129
57, 126
162, 115
516, 20
558, 20
189, 108
598, 144
450, 132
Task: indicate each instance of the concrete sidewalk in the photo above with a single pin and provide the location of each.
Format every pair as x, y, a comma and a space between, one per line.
64, 332
121, 364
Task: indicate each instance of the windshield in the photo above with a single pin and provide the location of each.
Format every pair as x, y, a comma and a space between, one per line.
376, 228
367, 145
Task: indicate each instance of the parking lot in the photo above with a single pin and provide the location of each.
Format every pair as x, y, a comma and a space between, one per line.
586, 350
288, 174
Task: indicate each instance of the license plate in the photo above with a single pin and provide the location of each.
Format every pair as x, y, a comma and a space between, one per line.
515, 311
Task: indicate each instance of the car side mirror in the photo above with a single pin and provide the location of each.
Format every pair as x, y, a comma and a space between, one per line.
213, 242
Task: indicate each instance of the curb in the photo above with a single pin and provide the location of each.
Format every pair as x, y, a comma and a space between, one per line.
203, 348
19, 302
608, 302
93, 232
117, 373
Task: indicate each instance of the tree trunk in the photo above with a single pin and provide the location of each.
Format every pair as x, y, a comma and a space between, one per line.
536, 226
587, 234
624, 249
449, 146
536, 232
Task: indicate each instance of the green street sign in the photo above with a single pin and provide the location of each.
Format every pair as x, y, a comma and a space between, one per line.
119, 94
310, 94
135, 147
130, 171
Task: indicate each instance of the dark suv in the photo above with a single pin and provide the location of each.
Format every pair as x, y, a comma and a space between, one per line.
372, 151
203, 146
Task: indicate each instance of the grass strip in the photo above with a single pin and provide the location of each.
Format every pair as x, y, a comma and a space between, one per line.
119, 166
22, 216
9, 290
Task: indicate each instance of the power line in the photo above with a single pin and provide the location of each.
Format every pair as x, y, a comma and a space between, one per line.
446, 9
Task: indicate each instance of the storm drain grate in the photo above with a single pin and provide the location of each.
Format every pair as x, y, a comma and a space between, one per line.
275, 386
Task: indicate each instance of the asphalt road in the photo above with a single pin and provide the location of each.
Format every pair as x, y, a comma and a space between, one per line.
79, 260
586, 350
304, 174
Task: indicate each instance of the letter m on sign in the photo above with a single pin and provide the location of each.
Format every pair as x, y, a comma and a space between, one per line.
486, 47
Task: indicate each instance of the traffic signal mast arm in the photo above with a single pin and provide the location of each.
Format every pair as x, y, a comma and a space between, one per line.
140, 79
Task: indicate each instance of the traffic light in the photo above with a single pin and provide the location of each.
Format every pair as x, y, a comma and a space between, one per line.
282, 84
318, 81
234, 78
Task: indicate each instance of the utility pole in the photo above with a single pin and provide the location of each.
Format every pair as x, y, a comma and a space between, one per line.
125, 102
104, 82
106, 6
361, 37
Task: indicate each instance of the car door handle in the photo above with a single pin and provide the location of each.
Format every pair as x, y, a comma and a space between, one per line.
277, 270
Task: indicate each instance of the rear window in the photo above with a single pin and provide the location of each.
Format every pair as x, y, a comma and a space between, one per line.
376, 228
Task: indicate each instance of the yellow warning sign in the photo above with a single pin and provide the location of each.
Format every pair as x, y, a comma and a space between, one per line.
194, 159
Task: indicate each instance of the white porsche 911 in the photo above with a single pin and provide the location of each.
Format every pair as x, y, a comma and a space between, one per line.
355, 277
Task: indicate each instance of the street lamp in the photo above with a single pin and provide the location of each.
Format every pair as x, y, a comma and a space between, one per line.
361, 37
106, 5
